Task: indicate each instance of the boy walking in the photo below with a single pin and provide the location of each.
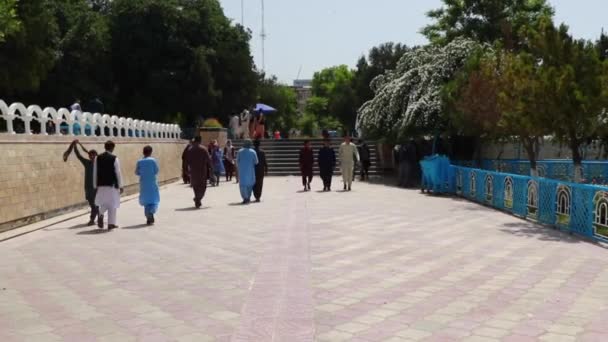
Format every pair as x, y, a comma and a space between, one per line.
149, 196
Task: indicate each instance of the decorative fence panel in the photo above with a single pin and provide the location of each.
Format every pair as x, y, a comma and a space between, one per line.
571, 207
76, 123
594, 172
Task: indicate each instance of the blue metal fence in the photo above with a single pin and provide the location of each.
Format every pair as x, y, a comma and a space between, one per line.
576, 208
594, 172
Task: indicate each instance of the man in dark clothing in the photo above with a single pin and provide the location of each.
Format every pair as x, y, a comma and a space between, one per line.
199, 162
89, 190
307, 161
327, 163
185, 171
261, 170
365, 158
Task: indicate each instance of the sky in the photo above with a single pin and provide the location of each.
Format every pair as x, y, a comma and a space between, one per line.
304, 36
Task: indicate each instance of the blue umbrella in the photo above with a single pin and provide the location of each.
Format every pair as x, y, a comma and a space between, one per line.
264, 108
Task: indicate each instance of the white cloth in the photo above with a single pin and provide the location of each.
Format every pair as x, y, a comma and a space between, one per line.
107, 197
111, 214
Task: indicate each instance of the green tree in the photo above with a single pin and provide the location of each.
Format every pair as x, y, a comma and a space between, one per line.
523, 101
29, 53
485, 21
180, 55
380, 59
602, 46
9, 22
318, 106
83, 67
577, 79
335, 84
471, 100
283, 99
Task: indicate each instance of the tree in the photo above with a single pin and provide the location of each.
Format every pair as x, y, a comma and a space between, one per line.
602, 46
526, 111
577, 93
409, 100
180, 56
471, 100
29, 53
283, 99
9, 22
485, 21
335, 85
380, 59
83, 66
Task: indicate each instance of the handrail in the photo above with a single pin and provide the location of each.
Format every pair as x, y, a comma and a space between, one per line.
79, 123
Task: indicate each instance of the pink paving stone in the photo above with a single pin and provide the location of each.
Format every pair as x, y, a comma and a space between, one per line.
274, 269
593, 337
519, 338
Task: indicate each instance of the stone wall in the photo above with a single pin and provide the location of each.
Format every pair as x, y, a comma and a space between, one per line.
35, 182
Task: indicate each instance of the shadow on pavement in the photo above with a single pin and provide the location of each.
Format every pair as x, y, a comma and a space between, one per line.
138, 226
94, 232
191, 209
543, 233
238, 204
78, 226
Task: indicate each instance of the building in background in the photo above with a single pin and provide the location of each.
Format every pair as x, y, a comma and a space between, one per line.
303, 90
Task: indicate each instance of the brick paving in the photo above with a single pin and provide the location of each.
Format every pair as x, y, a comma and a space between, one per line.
376, 264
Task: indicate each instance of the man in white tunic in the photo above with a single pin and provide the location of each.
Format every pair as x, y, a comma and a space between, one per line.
108, 182
348, 157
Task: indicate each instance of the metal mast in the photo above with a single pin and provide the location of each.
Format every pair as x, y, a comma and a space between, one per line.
243, 13
263, 36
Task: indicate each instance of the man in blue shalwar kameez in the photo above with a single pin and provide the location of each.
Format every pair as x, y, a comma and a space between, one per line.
149, 196
246, 160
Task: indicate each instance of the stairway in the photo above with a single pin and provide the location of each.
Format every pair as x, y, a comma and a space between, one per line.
283, 155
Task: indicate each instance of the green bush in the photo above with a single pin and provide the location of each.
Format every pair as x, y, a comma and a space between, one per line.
212, 123
308, 124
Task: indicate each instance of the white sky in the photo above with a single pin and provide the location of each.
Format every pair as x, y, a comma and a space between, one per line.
314, 34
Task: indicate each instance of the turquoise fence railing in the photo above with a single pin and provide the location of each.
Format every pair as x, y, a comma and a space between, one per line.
594, 172
436, 174
578, 208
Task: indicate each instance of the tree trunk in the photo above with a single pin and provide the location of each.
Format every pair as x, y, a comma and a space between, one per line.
530, 145
577, 159
477, 155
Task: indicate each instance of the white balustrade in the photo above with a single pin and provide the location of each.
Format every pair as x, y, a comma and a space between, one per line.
82, 123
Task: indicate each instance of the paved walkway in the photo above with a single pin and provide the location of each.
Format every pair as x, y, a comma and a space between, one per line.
376, 264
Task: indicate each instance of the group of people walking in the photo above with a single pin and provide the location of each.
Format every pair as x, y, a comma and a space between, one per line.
349, 155
104, 184
201, 165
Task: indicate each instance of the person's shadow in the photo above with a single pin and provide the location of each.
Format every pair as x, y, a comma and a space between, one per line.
97, 231
191, 209
138, 226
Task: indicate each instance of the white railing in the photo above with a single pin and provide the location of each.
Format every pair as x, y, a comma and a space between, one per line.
77, 123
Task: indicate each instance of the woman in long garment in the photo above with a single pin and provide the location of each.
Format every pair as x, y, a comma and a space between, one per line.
149, 197
307, 161
246, 160
229, 160
217, 157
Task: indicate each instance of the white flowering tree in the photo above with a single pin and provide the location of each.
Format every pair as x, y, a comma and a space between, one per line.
408, 99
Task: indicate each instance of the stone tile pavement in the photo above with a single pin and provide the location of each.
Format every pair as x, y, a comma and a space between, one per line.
376, 264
